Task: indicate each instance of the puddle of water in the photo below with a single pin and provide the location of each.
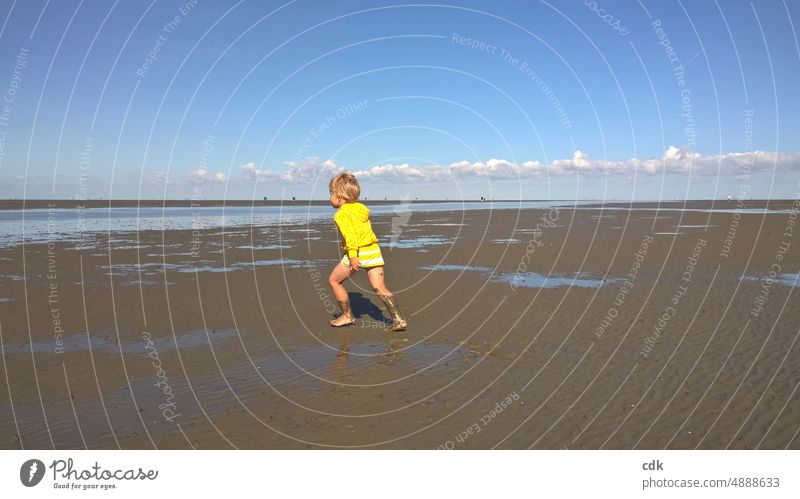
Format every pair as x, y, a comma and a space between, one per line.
286, 262
695, 226
188, 253
505, 241
121, 269
135, 246
791, 280
3, 300
536, 231
419, 242
534, 279
266, 247
145, 283
322, 360
203, 268
667, 233
156, 269
460, 268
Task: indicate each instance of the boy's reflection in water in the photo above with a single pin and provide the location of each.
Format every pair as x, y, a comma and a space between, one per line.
394, 352
339, 366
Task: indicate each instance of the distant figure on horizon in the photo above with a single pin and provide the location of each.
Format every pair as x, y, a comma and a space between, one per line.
358, 241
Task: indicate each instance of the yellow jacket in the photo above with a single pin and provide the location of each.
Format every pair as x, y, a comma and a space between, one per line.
353, 222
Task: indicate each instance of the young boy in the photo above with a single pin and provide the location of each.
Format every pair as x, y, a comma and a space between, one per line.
361, 250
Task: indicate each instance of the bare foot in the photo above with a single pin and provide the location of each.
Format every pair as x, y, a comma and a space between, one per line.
399, 324
342, 320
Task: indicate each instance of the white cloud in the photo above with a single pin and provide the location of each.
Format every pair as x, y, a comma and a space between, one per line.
219, 177
203, 175
308, 170
674, 161
395, 173
157, 178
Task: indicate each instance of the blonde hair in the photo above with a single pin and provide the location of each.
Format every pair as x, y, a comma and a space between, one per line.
345, 185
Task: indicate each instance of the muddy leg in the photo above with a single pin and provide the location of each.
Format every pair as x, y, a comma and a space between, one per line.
376, 279
340, 274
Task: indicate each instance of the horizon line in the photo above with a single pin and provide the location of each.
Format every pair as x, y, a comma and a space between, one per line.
384, 200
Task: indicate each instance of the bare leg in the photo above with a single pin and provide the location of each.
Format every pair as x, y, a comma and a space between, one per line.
376, 280
340, 274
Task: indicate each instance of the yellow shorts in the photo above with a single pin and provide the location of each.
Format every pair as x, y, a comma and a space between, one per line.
369, 256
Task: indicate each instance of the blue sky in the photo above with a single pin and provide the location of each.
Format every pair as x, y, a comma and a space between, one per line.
578, 99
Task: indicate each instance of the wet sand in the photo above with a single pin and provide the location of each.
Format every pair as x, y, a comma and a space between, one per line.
551, 329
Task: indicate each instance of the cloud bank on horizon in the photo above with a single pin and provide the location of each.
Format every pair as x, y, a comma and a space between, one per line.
733, 173
674, 161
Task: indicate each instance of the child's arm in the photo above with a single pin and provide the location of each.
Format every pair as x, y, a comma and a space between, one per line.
349, 232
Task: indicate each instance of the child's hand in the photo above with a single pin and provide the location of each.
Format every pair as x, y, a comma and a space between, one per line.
354, 263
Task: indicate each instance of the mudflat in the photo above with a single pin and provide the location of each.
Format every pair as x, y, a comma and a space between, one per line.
631, 326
